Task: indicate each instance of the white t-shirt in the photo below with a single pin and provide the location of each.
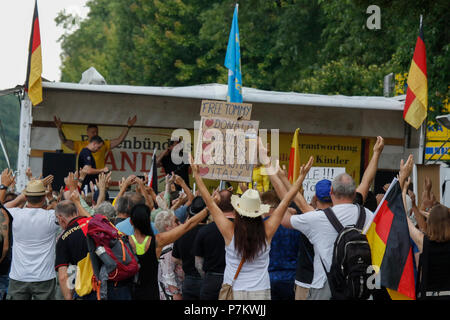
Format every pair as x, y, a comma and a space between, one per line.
34, 239
322, 235
254, 275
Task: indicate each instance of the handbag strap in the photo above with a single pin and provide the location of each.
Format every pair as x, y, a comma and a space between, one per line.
238, 269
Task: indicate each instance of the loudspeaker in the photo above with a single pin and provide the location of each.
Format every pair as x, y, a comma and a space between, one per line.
59, 165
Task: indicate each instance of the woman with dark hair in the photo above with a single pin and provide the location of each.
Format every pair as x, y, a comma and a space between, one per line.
247, 239
148, 247
433, 245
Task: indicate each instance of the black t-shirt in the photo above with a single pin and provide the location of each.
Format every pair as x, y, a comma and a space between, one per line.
183, 249
181, 169
71, 247
305, 258
86, 158
210, 245
358, 199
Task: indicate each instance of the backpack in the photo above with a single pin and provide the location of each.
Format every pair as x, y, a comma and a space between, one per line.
351, 259
111, 255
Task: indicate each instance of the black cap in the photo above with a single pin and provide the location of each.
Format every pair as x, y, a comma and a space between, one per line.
196, 206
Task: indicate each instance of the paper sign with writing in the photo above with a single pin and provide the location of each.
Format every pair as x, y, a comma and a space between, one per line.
223, 109
224, 149
316, 174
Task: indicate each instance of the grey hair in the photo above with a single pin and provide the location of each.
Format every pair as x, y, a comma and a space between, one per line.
343, 186
66, 208
105, 208
163, 220
122, 205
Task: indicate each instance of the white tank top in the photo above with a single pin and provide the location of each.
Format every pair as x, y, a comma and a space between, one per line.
254, 275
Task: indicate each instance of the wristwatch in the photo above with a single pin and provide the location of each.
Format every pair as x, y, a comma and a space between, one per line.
3, 187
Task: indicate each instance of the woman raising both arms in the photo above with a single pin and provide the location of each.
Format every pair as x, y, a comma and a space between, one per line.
247, 239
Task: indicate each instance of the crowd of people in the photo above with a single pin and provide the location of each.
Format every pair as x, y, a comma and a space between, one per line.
187, 244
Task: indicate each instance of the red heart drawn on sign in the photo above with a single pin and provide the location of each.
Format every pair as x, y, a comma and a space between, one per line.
209, 122
203, 171
205, 145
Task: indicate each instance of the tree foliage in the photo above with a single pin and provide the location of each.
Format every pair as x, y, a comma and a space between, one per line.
312, 46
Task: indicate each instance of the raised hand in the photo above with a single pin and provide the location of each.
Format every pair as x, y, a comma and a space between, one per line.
47, 180
8, 178
379, 145
131, 121
58, 122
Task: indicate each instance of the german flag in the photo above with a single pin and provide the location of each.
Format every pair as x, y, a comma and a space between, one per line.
294, 159
388, 237
416, 102
33, 84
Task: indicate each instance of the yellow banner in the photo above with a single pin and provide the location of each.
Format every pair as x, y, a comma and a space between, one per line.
328, 151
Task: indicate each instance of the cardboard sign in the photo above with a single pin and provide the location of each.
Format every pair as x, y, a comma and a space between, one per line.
223, 109
316, 174
221, 140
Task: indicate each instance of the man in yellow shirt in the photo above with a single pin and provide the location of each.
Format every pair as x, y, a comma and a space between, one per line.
91, 131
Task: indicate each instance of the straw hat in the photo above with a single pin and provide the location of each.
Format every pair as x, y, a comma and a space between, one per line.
249, 204
35, 188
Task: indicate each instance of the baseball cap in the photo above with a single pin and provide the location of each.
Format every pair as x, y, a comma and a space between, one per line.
323, 188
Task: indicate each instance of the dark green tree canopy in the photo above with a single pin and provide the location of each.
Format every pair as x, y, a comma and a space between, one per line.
311, 46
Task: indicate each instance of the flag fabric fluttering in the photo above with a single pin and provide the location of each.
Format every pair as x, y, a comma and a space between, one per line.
389, 240
33, 83
233, 62
153, 174
416, 102
294, 159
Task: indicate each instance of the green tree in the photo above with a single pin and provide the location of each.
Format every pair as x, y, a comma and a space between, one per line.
312, 46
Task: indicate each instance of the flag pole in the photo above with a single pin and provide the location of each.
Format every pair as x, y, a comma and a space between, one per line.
423, 127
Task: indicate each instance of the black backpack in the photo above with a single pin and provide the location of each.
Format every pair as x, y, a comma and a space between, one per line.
351, 259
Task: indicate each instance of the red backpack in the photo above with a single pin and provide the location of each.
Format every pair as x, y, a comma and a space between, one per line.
111, 255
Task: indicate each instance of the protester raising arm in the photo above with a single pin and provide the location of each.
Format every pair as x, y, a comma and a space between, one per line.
404, 181
140, 188
115, 142
371, 170
68, 143
225, 226
190, 196
7, 180
167, 237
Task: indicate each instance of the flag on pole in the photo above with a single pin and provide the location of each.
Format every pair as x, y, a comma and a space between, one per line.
153, 175
33, 83
233, 62
416, 101
389, 240
294, 159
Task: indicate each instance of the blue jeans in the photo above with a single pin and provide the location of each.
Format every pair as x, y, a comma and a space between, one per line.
191, 287
211, 286
4, 282
114, 293
282, 290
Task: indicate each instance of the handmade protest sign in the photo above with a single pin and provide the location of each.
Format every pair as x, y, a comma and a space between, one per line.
223, 109
226, 149
316, 174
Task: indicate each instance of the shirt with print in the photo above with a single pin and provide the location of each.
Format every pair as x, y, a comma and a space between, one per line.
72, 249
283, 254
99, 156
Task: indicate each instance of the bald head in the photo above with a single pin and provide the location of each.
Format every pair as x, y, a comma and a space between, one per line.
343, 187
